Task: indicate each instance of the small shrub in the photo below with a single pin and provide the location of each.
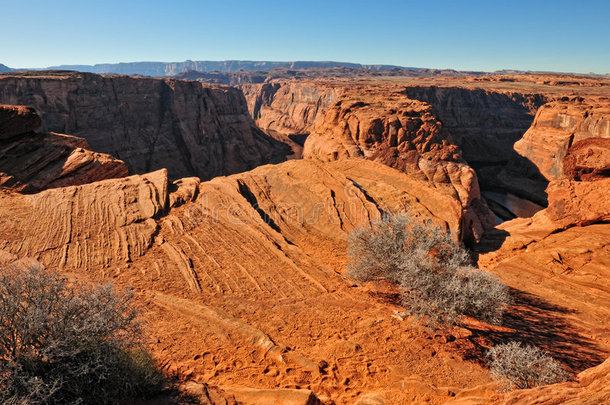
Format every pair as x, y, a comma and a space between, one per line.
433, 272
523, 366
69, 343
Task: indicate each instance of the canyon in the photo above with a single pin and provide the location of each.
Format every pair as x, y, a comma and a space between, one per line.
227, 209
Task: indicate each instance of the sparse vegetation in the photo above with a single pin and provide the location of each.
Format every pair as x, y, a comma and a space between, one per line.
522, 366
433, 272
69, 343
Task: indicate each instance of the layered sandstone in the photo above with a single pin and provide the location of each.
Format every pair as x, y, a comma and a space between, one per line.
562, 256
556, 127
31, 161
110, 221
289, 107
484, 123
384, 126
240, 278
539, 154
187, 127
588, 159
17, 120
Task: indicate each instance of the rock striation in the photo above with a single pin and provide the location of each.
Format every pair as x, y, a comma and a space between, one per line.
386, 127
562, 255
187, 127
110, 221
31, 161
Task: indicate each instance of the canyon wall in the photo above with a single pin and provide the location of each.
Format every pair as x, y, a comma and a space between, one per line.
189, 128
385, 126
556, 127
32, 161
484, 124
289, 107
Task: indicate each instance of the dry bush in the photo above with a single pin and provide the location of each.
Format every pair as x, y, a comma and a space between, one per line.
69, 343
433, 272
524, 366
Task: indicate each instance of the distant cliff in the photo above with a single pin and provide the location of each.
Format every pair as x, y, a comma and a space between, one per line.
174, 68
192, 129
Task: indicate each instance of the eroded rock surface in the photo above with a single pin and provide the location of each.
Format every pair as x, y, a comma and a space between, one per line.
384, 126
289, 107
556, 127
483, 123
110, 221
189, 128
31, 161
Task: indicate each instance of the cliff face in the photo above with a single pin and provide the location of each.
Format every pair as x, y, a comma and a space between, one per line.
289, 107
386, 127
484, 124
189, 128
31, 161
556, 127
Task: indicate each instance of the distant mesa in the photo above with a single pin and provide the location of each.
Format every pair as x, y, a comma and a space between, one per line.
174, 68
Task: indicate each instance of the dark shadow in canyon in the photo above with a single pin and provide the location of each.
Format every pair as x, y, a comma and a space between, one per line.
534, 321
485, 125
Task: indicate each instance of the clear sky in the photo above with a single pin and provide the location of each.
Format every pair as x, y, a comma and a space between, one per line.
569, 36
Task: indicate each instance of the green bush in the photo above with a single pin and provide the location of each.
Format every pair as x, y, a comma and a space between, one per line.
523, 366
433, 272
63, 343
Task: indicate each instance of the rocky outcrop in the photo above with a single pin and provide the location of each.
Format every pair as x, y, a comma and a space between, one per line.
17, 120
539, 154
588, 159
289, 107
270, 241
556, 127
31, 162
110, 221
404, 134
187, 127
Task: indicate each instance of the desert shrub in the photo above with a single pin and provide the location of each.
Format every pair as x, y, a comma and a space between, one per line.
66, 342
432, 271
522, 366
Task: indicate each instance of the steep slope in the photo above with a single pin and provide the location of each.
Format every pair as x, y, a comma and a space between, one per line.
241, 280
189, 128
31, 162
541, 150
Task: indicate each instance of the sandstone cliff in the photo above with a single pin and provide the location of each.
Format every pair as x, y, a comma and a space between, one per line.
556, 127
240, 277
189, 128
562, 255
386, 127
31, 161
483, 123
289, 107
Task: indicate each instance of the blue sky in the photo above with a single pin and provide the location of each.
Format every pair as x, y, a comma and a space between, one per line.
570, 36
